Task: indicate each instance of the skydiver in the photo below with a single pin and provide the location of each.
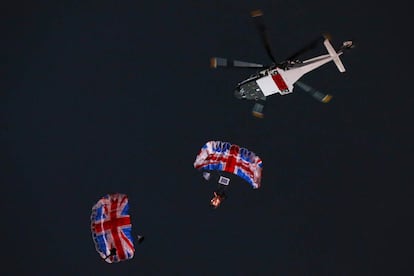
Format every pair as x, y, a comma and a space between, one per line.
112, 253
140, 238
218, 198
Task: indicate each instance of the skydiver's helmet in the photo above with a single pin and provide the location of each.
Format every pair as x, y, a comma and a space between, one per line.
217, 200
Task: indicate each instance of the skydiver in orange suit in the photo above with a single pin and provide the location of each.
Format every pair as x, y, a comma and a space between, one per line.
218, 198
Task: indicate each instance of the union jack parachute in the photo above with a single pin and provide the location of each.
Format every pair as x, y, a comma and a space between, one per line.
231, 158
111, 228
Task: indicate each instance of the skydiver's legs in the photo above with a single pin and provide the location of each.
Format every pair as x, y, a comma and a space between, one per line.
112, 253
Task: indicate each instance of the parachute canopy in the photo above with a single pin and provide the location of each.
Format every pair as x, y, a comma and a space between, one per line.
111, 228
227, 157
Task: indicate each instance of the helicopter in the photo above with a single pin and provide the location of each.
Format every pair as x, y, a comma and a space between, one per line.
280, 77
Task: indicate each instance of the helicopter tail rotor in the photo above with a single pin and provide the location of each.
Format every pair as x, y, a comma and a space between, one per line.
346, 45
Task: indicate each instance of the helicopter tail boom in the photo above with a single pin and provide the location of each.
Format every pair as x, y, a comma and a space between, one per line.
334, 55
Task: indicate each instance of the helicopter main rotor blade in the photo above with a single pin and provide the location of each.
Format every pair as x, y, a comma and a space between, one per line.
258, 20
257, 110
308, 47
321, 97
229, 63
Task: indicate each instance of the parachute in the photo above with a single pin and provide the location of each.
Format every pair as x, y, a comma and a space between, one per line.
111, 228
231, 158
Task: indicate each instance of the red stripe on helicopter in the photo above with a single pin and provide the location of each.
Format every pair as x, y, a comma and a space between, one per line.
281, 84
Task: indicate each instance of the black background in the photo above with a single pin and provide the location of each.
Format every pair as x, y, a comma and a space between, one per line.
118, 96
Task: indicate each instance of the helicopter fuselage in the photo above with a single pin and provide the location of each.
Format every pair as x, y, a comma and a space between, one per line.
275, 80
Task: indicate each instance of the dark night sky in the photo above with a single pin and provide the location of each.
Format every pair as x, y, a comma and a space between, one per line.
99, 98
